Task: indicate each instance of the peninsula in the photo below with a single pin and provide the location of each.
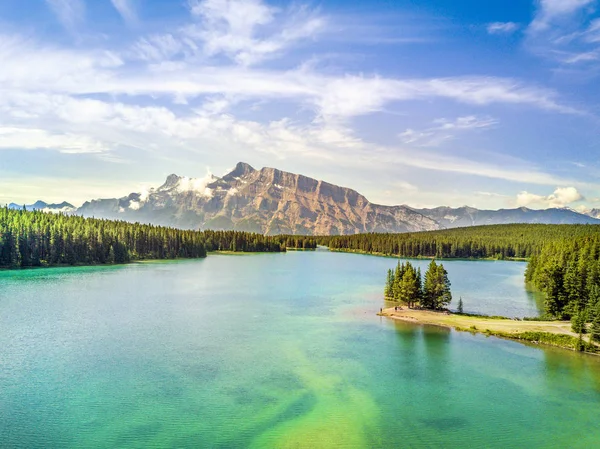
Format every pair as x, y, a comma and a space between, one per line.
554, 333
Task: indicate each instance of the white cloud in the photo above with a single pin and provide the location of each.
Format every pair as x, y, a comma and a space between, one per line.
562, 31
126, 9
445, 129
70, 12
562, 197
550, 12
178, 91
592, 34
27, 138
245, 31
502, 27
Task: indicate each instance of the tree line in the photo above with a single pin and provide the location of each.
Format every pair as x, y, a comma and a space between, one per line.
34, 239
477, 242
405, 284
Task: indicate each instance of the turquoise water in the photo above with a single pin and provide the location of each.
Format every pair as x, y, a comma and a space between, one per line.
275, 350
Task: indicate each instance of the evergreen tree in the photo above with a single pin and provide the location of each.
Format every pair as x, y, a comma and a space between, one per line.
389, 284
580, 343
444, 297
430, 286
578, 322
595, 327
436, 288
409, 286
460, 305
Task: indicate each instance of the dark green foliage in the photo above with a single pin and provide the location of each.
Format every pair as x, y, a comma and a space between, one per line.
436, 288
389, 284
580, 343
298, 241
405, 285
33, 239
242, 242
460, 305
578, 322
495, 241
595, 327
567, 271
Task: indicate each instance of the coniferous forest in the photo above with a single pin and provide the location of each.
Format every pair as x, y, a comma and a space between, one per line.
477, 242
34, 239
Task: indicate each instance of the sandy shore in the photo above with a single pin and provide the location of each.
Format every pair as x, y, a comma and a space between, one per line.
555, 333
481, 323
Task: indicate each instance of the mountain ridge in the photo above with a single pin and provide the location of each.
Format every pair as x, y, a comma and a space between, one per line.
273, 201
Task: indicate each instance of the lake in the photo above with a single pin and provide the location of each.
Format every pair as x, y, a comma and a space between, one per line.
276, 350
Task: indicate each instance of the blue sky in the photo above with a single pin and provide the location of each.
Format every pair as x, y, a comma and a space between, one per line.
490, 104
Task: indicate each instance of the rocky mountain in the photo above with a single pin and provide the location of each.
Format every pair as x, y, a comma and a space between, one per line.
267, 201
449, 217
594, 213
272, 201
63, 207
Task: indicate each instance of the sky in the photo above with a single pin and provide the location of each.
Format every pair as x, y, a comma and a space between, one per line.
489, 104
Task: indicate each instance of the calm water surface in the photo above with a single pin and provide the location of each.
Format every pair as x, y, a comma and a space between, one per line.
275, 350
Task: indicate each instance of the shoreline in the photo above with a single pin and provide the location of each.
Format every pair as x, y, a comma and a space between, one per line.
552, 333
395, 256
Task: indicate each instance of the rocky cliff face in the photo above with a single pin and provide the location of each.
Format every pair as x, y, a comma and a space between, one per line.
272, 201
267, 201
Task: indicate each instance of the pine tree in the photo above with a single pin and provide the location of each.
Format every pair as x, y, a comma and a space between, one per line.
460, 305
430, 286
389, 284
595, 327
444, 297
578, 322
409, 286
580, 343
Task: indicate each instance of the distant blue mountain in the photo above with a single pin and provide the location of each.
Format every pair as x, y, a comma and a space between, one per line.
43, 206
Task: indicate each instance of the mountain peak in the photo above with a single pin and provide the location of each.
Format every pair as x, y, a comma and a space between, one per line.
241, 169
170, 182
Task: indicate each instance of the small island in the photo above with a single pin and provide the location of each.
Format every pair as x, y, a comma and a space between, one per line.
426, 301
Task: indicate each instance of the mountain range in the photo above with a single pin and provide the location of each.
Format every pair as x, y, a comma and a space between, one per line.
63, 207
272, 201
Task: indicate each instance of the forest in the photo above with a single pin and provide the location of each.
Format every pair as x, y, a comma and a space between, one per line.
568, 272
520, 241
35, 239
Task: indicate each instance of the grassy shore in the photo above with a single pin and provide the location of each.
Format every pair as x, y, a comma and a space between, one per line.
554, 333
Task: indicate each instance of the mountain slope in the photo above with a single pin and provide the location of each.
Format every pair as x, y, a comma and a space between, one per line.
594, 213
449, 217
272, 201
268, 201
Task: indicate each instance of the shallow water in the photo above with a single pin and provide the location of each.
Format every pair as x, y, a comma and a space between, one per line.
276, 350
